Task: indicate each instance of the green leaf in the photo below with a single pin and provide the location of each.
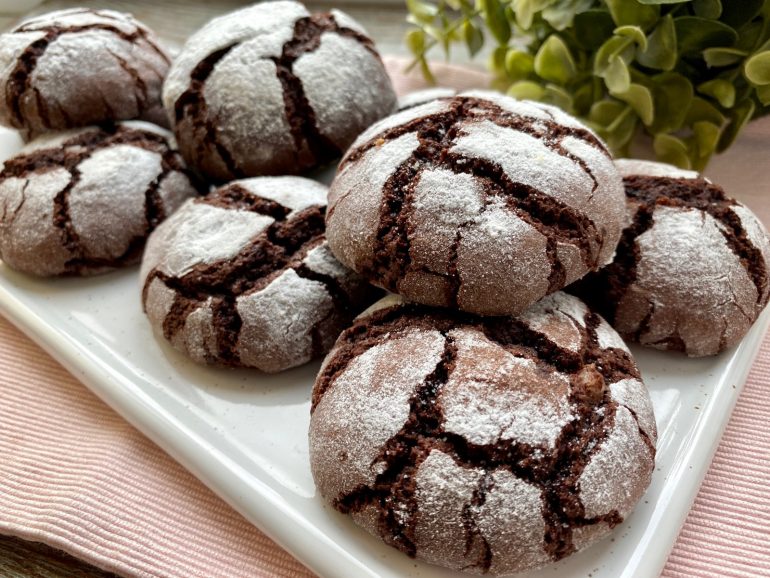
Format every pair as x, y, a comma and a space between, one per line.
426, 71
723, 91
494, 16
557, 96
693, 34
561, 16
591, 29
661, 50
757, 68
708, 8
525, 11
424, 12
497, 60
639, 98
415, 41
739, 116
662, 1
763, 94
631, 12
634, 33
519, 64
718, 57
706, 138
672, 95
473, 36
526, 90
614, 47
583, 97
554, 62
605, 112
701, 109
620, 131
617, 77
671, 150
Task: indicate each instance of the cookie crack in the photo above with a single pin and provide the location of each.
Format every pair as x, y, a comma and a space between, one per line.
555, 472
192, 105
311, 146
19, 80
437, 134
394, 489
279, 247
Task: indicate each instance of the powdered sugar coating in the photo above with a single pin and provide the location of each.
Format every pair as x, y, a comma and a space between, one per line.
275, 321
685, 259
452, 465
354, 201
504, 256
611, 480
419, 97
444, 489
367, 406
686, 242
199, 233
83, 201
466, 219
244, 277
633, 394
515, 541
480, 405
629, 167
88, 66
341, 113
316, 78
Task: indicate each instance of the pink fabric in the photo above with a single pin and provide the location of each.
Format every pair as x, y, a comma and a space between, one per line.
73, 474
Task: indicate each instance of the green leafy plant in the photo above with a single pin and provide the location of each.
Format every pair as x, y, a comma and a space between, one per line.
689, 73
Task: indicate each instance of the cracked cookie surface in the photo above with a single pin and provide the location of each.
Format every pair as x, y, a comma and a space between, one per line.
77, 67
82, 202
272, 89
477, 202
490, 445
243, 277
691, 270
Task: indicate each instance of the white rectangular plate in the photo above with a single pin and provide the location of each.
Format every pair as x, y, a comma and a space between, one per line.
244, 434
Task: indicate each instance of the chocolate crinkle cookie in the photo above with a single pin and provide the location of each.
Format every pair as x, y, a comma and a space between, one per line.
243, 277
477, 202
485, 444
691, 270
272, 89
82, 202
77, 67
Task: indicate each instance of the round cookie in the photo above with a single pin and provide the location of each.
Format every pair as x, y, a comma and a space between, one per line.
243, 276
76, 67
82, 202
272, 89
477, 202
691, 270
486, 444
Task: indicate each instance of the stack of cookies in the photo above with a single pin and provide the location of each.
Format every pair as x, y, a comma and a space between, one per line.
479, 416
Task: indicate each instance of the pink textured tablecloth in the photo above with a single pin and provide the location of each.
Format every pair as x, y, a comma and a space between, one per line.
73, 474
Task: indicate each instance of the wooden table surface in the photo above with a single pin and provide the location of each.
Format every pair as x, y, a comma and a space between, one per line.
386, 24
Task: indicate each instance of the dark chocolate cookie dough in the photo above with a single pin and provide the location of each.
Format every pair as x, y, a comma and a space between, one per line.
482, 444
272, 89
243, 277
76, 67
477, 202
691, 270
82, 202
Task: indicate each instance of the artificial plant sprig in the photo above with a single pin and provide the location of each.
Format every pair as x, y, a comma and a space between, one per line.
690, 73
